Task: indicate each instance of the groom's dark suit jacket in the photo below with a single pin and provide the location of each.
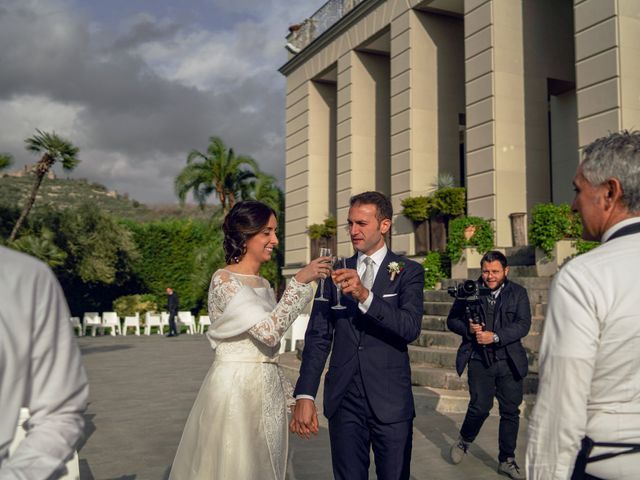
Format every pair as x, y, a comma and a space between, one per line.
375, 341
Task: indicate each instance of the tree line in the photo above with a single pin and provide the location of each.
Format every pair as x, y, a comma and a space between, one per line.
99, 258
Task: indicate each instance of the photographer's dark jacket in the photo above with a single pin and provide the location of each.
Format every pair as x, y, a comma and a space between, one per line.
512, 321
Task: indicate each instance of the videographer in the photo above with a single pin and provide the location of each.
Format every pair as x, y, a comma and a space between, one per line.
492, 315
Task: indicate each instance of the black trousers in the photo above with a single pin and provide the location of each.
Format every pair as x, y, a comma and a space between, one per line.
172, 324
499, 380
354, 430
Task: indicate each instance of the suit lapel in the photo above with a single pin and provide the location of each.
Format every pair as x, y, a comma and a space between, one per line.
383, 279
352, 262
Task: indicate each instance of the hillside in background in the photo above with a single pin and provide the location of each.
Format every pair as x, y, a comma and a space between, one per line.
64, 193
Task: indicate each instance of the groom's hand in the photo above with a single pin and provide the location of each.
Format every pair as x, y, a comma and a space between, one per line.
305, 418
350, 283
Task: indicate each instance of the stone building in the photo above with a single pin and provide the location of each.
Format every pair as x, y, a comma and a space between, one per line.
501, 94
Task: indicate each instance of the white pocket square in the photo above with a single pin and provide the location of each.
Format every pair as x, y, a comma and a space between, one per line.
389, 295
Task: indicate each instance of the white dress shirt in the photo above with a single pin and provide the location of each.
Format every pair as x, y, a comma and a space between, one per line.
40, 369
589, 363
378, 258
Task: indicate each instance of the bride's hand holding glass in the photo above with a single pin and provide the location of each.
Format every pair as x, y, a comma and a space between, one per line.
319, 268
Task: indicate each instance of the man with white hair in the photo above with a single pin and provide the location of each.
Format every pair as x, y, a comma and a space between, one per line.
589, 388
40, 369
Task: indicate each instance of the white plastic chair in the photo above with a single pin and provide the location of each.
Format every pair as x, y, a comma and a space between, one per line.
164, 320
131, 322
203, 321
296, 332
151, 320
185, 318
73, 465
75, 324
112, 321
92, 320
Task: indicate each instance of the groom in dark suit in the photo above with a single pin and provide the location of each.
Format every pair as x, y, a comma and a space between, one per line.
367, 391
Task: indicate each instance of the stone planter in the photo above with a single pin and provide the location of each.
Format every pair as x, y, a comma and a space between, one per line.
422, 238
322, 242
518, 229
438, 232
563, 251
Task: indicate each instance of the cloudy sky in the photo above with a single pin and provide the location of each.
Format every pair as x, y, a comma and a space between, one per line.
137, 84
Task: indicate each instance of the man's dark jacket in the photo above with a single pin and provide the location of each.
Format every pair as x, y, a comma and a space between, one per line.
173, 303
512, 321
375, 343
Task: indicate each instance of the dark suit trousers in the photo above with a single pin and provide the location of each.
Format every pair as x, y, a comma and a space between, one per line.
499, 380
172, 323
354, 430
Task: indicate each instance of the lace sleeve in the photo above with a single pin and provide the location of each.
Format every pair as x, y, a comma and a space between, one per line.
223, 288
270, 330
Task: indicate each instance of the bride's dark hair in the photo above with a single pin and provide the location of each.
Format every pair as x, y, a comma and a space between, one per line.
245, 220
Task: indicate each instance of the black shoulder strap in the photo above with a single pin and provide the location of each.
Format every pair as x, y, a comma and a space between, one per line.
628, 230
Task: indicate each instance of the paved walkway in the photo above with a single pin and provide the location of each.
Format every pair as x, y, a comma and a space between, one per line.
142, 389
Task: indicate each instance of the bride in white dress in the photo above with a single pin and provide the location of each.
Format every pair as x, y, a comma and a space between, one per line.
237, 428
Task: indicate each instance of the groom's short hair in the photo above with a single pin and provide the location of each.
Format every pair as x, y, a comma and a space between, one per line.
382, 203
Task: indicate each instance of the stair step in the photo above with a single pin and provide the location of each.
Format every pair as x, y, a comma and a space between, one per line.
434, 356
441, 400
437, 323
437, 377
437, 308
430, 338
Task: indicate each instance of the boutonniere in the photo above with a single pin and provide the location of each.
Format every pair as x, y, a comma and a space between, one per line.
394, 269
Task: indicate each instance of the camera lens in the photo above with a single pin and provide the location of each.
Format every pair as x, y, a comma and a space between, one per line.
469, 287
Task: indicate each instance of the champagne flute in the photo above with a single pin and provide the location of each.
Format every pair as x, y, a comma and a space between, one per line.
339, 262
324, 252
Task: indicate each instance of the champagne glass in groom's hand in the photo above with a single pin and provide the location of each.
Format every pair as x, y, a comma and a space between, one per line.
339, 263
324, 252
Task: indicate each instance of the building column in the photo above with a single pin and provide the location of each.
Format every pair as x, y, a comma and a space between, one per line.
427, 96
362, 137
496, 167
607, 36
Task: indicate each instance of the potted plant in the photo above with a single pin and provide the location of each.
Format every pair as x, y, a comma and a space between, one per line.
554, 230
433, 271
469, 239
322, 235
418, 209
446, 203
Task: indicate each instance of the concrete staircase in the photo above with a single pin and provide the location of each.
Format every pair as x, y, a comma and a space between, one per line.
433, 354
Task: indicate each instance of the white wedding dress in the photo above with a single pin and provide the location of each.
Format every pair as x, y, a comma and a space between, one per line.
237, 428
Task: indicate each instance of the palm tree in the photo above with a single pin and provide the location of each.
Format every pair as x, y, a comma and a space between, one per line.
218, 170
264, 189
53, 149
5, 160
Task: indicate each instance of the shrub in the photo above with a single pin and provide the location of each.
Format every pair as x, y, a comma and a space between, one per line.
551, 223
433, 269
416, 209
326, 229
128, 305
482, 239
583, 246
450, 201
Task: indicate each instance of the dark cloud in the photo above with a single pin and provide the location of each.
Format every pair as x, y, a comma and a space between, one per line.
138, 96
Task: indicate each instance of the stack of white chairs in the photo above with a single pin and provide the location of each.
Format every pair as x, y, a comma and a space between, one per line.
75, 324
152, 320
131, 322
296, 332
92, 320
187, 319
203, 321
112, 321
73, 465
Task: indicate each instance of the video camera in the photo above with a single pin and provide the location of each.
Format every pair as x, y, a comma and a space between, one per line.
469, 290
